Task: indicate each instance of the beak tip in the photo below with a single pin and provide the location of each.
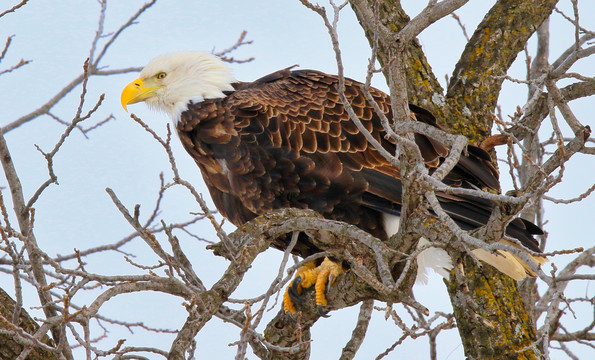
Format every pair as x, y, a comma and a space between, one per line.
124, 100
135, 92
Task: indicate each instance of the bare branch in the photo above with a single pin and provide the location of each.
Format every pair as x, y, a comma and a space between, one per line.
461, 25
45, 108
126, 25
240, 42
433, 12
359, 332
14, 8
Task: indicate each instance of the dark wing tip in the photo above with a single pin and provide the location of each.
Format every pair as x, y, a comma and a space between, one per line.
532, 228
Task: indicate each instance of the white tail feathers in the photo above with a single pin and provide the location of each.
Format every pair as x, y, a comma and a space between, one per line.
438, 259
503, 261
509, 263
433, 258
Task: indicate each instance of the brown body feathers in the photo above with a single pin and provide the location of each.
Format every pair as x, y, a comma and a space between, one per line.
286, 141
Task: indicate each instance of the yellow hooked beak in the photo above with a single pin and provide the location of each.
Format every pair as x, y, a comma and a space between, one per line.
136, 91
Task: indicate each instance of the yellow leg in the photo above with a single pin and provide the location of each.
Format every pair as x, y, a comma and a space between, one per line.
303, 276
309, 275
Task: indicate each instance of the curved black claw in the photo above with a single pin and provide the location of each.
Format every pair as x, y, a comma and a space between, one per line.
321, 312
292, 291
291, 317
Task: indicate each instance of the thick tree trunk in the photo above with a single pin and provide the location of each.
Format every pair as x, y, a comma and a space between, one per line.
509, 331
490, 313
422, 86
476, 81
10, 348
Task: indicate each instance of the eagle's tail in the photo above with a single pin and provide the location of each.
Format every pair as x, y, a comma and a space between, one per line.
509, 263
438, 259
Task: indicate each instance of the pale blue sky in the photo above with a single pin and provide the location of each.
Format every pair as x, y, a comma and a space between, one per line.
79, 214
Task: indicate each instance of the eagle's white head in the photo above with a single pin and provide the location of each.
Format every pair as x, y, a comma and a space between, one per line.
169, 82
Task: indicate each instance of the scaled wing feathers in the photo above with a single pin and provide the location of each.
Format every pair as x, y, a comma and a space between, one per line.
286, 141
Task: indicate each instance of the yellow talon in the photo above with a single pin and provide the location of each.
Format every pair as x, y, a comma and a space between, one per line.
305, 275
288, 305
328, 272
309, 275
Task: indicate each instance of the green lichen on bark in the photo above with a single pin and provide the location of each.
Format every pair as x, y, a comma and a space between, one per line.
471, 98
495, 324
422, 86
476, 80
505, 332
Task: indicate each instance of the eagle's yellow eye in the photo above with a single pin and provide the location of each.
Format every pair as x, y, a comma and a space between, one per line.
161, 75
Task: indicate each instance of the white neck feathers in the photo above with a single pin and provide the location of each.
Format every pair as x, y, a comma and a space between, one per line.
190, 76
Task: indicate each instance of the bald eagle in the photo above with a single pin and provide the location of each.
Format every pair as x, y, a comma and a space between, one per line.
286, 140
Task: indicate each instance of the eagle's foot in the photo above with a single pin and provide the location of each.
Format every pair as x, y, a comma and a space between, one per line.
308, 275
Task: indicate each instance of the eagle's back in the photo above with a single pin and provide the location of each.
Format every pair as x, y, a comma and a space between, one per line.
286, 140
